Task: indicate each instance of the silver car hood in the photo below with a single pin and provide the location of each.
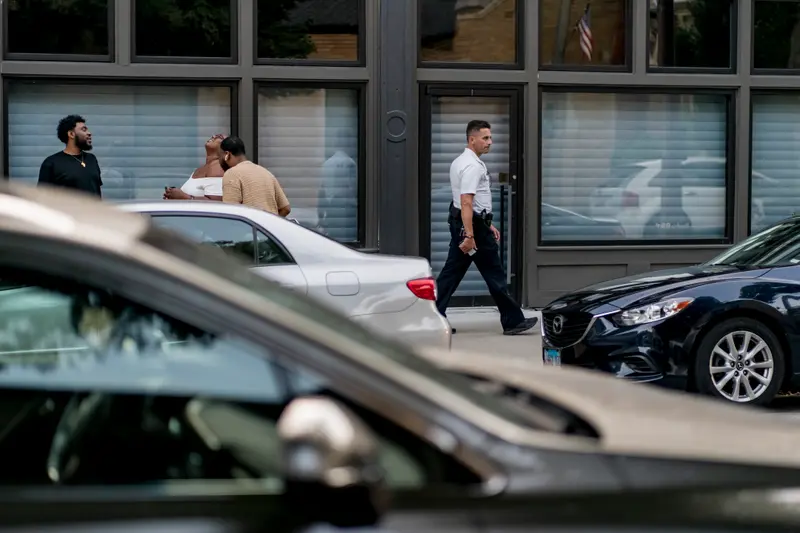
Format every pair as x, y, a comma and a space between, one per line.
641, 419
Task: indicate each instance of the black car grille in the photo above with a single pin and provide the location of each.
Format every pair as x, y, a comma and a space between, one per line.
573, 327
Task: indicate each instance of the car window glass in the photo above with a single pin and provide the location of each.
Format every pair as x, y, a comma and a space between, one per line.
98, 390
269, 252
235, 237
775, 246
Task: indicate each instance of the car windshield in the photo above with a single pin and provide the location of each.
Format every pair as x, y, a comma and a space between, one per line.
778, 245
233, 271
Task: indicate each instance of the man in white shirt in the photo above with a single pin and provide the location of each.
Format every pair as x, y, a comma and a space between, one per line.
472, 235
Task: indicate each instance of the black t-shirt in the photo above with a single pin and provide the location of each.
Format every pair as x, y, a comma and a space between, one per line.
64, 170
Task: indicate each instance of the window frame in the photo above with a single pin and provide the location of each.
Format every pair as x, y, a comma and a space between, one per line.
7, 81
361, 52
627, 67
361, 89
519, 46
84, 58
233, 59
254, 226
730, 150
765, 71
734, 49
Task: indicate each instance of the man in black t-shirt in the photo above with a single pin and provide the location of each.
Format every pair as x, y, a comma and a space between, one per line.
74, 167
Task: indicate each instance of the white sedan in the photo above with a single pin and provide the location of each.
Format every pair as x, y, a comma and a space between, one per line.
393, 295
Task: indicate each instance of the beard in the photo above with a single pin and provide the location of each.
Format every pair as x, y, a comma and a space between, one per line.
83, 145
225, 166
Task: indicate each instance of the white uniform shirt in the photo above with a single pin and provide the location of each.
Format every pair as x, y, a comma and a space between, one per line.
468, 175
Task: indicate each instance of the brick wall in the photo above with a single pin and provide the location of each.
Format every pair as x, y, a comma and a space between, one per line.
331, 46
487, 36
607, 20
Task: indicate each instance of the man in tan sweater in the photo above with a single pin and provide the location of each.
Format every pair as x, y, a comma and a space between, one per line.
247, 183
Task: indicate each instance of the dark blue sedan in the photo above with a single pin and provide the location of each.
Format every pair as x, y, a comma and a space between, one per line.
728, 328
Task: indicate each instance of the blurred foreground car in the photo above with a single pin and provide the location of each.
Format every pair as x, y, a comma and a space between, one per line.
391, 294
729, 327
145, 377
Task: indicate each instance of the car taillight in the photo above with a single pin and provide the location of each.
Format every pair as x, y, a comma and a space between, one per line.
423, 288
630, 199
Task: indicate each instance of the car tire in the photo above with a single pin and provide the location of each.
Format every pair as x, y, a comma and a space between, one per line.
707, 354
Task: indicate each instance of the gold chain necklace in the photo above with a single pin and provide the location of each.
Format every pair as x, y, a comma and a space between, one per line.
78, 160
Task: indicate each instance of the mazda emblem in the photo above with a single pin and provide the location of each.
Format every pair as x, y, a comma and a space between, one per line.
558, 324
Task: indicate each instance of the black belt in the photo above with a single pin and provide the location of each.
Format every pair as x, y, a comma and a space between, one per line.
483, 215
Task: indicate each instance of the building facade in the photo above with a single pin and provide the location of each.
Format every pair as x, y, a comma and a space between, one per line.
629, 135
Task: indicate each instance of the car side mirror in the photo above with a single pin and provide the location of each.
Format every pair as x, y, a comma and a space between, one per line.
331, 466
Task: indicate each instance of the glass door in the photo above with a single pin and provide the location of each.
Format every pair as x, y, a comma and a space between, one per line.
446, 110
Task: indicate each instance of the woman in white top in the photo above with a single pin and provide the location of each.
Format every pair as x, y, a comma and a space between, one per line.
205, 183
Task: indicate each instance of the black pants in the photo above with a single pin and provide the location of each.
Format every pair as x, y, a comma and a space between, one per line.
487, 259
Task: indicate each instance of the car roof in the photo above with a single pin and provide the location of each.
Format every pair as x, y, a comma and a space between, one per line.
66, 214
182, 205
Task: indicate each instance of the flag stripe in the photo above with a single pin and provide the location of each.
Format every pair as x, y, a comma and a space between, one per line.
585, 31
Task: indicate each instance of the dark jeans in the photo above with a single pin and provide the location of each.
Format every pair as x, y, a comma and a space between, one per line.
487, 259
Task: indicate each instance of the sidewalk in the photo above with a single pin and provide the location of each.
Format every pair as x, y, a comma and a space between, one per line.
478, 329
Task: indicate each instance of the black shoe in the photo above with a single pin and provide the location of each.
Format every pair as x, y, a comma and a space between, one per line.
454, 330
522, 327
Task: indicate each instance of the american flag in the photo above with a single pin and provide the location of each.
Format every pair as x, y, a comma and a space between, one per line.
585, 32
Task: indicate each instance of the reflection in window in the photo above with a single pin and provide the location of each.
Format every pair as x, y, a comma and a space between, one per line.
84, 339
476, 31
692, 34
309, 139
581, 33
308, 29
649, 166
145, 137
43, 27
775, 187
776, 34
185, 28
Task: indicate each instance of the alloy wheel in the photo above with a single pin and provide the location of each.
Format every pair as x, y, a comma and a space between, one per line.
741, 366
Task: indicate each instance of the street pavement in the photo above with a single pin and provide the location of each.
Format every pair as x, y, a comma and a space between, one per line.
478, 329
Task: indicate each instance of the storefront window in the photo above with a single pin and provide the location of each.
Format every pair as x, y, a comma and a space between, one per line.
468, 31
313, 30
144, 137
58, 28
690, 34
183, 28
309, 139
578, 34
776, 34
775, 188
633, 167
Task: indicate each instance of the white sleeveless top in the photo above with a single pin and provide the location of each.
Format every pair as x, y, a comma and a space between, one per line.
203, 186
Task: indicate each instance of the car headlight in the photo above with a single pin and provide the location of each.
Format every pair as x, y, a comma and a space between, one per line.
652, 312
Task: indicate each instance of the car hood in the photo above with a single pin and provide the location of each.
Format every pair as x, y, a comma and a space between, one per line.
641, 420
622, 292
